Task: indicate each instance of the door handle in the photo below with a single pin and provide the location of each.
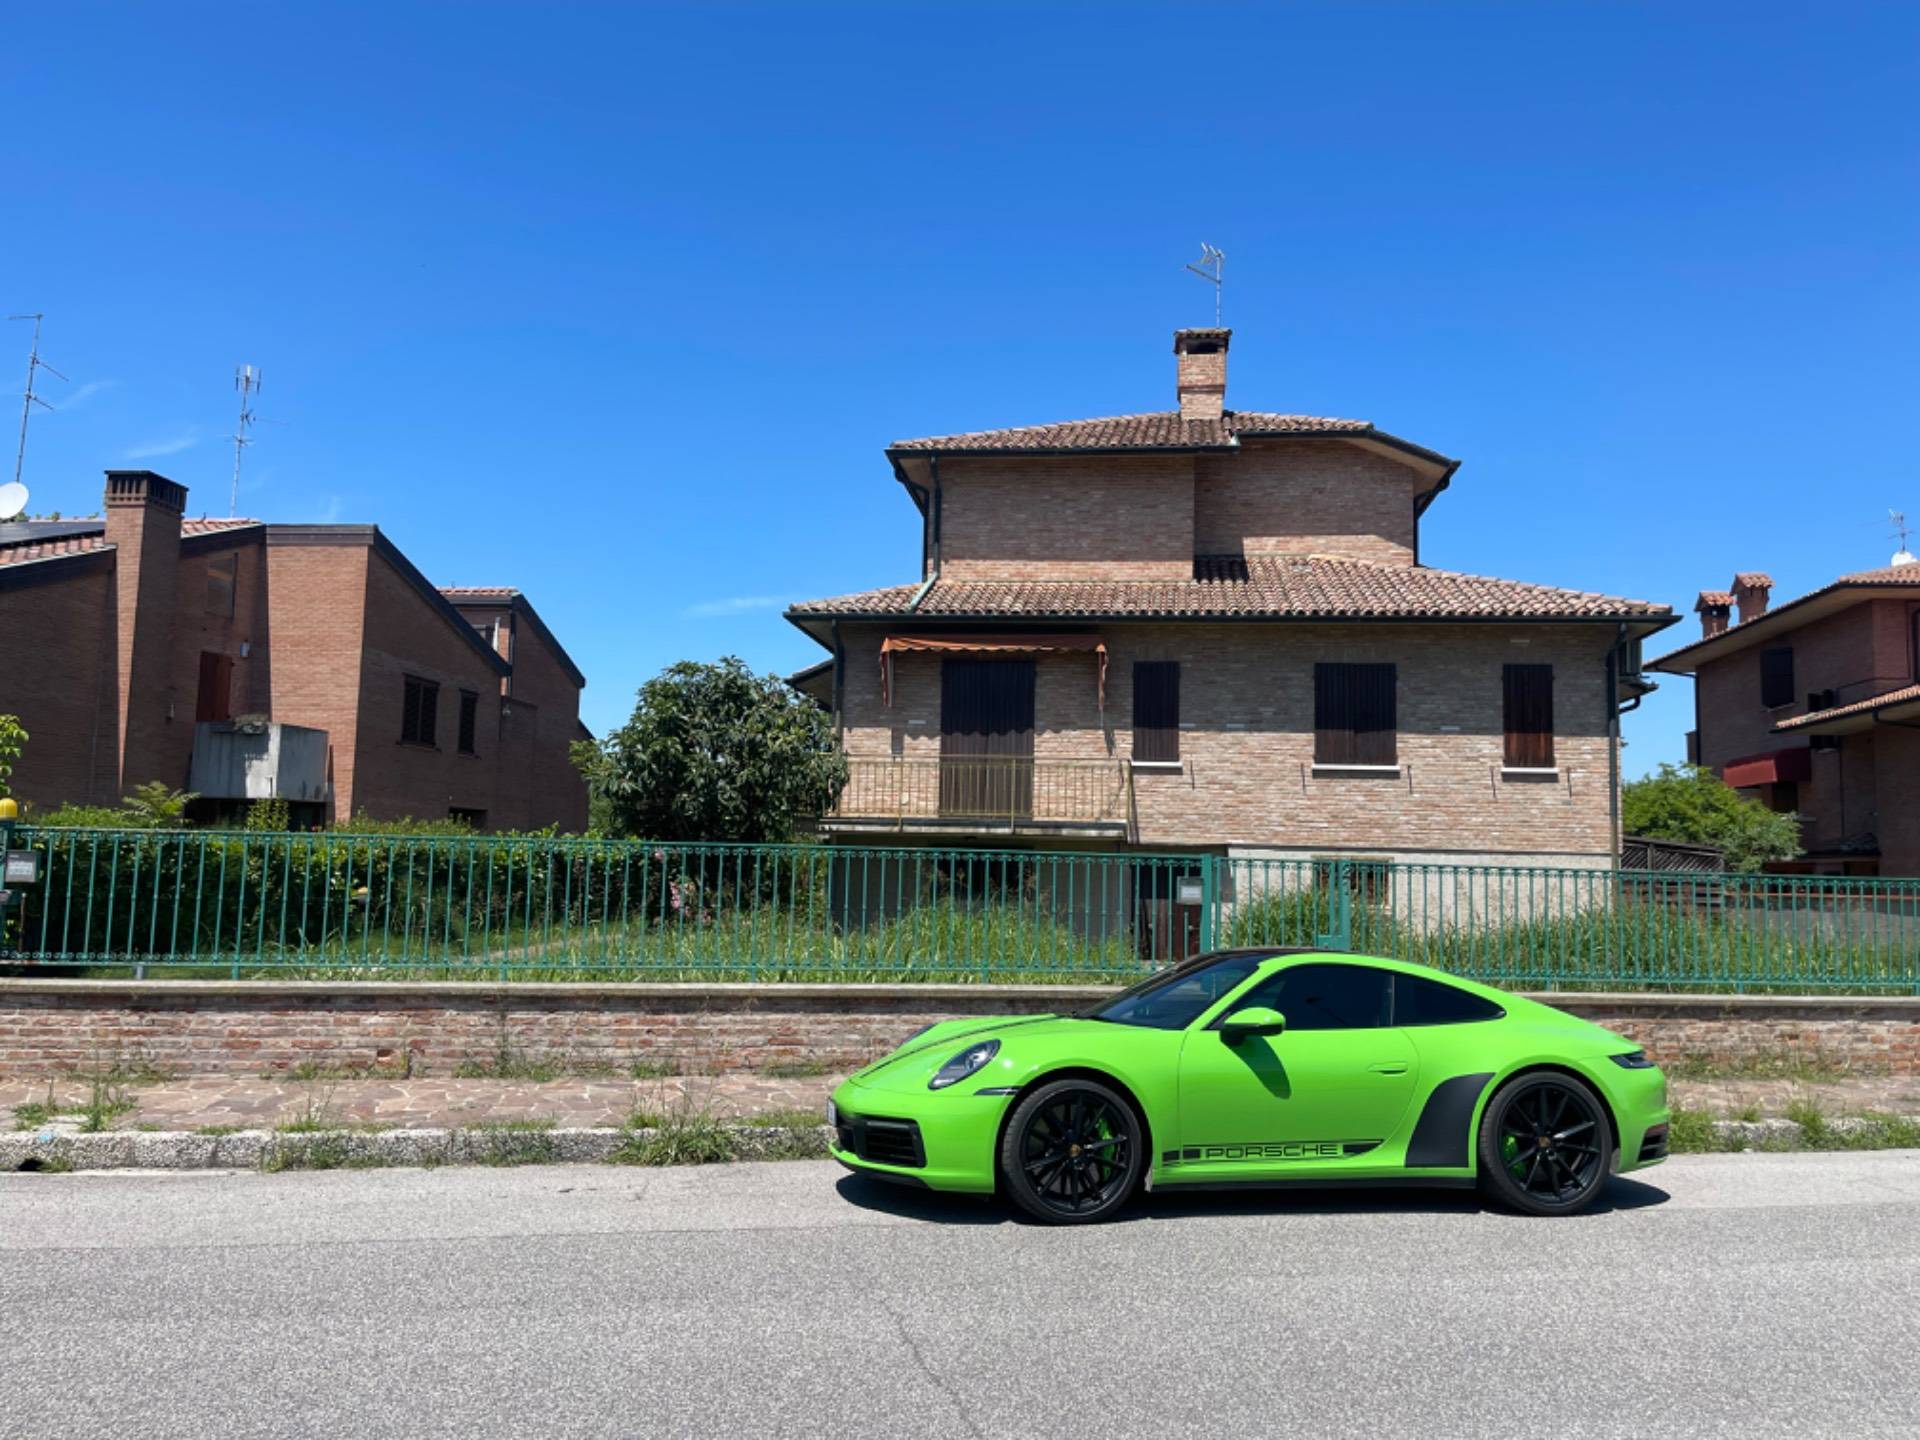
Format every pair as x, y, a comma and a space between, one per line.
1389, 1067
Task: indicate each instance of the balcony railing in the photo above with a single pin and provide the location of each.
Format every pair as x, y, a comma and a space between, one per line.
999, 791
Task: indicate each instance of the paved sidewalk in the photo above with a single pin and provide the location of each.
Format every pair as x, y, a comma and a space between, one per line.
254, 1103
247, 1103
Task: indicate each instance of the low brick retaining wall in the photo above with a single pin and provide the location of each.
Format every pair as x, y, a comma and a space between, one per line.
50, 1027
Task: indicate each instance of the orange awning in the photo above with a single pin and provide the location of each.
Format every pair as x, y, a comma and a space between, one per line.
989, 645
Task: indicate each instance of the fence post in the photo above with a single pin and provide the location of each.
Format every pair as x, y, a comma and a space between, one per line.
1209, 900
1339, 934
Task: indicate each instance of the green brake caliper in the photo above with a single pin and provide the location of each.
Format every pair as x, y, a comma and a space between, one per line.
1510, 1152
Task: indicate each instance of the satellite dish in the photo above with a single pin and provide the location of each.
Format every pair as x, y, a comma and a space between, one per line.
13, 499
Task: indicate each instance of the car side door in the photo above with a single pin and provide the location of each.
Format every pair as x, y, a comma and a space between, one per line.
1332, 1087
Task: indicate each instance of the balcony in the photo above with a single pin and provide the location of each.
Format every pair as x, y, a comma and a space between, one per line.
985, 796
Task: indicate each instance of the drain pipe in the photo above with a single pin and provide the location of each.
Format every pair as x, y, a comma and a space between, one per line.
1613, 740
933, 528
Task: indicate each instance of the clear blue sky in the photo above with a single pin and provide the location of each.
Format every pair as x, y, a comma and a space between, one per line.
620, 305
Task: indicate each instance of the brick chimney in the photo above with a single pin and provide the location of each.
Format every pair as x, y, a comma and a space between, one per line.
1713, 606
1202, 360
1750, 589
143, 526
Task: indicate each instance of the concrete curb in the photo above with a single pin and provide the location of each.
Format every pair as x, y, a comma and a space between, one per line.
355, 1149
348, 1149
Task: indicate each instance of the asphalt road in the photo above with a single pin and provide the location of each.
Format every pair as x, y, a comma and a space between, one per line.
1723, 1295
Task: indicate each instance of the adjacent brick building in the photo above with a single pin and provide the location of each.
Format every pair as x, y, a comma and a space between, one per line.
1814, 707
1211, 629
311, 663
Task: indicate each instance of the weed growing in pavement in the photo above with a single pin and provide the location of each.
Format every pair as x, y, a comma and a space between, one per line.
786, 1117
34, 1113
217, 1130
795, 1069
333, 1150
1692, 1132
683, 1130
1772, 1065
1815, 1133
652, 1069
1749, 1113
106, 1102
509, 1064
513, 1142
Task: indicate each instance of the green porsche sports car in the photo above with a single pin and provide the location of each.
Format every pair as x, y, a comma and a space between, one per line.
1261, 1067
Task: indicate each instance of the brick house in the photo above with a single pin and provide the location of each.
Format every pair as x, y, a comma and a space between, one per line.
310, 663
1208, 629
1814, 707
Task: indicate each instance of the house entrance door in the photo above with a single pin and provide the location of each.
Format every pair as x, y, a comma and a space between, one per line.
986, 738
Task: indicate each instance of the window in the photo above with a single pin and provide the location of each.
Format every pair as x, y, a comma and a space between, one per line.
1353, 715
1782, 797
1327, 997
1156, 710
1428, 1002
469, 714
215, 698
420, 712
223, 574
472, 819
1776, 676
1174, 999
1529, 716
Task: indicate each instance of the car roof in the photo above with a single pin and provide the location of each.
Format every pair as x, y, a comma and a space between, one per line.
1321, 952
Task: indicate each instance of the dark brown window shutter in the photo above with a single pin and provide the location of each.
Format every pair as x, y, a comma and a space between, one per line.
1529, 716
1776, 676
1156, 710
1355, 719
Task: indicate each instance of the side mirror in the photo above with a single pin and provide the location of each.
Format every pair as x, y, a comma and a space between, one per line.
1254, 1020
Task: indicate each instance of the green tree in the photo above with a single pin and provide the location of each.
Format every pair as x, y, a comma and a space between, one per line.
13, 739
1693, 805
714, 752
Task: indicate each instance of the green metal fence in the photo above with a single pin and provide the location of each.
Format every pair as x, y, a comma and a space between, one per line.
337, 905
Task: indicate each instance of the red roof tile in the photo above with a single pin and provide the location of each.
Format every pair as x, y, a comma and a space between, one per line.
1753, 580
206, 526
52, 547
1884, 575
1265, 587
1857, 707
1158, 430
1713, 600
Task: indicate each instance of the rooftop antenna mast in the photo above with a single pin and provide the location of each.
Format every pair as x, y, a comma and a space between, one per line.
1904, 556
246, 379
34, 365
1212, 269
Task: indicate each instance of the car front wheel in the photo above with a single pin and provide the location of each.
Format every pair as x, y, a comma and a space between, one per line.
1544, 1145
1072, 1152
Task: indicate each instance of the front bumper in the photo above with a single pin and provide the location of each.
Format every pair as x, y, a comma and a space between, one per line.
943, 1139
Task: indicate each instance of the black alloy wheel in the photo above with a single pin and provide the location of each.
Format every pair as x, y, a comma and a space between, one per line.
1544, 1145
1072, 1152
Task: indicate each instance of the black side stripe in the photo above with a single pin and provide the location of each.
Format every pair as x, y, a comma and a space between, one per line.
1440, 1136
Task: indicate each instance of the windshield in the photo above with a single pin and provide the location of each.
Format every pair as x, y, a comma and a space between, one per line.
1174, 999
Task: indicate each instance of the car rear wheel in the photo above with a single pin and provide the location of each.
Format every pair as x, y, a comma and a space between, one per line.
1544, 1145
1072, 1152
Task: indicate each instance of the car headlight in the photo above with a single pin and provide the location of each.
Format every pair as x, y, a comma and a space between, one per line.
963, 1064
1632, 1060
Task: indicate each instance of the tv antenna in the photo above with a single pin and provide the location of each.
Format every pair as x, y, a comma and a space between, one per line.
34, 365
1212, 269
246, 379
1898, 519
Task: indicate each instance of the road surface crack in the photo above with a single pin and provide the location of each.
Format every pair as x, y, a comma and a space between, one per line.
933, 1378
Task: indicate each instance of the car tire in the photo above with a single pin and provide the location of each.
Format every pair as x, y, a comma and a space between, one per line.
1073, 1152
1545, 1146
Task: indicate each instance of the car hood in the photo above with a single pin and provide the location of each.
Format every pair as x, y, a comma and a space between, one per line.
914, 1063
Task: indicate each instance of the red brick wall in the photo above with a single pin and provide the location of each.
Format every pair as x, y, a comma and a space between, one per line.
58, 661
145, 535
407, 635
184, 1027
1323, 497
317, 612
1246, 777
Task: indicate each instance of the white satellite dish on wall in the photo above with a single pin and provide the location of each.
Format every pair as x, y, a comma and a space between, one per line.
13, 499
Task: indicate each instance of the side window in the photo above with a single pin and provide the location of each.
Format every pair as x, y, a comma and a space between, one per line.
1418, 1001
1327, 997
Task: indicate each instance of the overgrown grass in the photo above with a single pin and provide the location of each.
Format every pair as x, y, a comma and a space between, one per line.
795, 1069
1695, 1132
32, 1115
1780, 1065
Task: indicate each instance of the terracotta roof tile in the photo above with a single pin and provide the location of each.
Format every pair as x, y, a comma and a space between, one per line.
1713, 599
1857, 707
206, 526
1262, 587
1753, 580
1157, 430
52, 547
1884, 575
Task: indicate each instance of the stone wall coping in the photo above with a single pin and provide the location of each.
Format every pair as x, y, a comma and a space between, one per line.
853, 994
